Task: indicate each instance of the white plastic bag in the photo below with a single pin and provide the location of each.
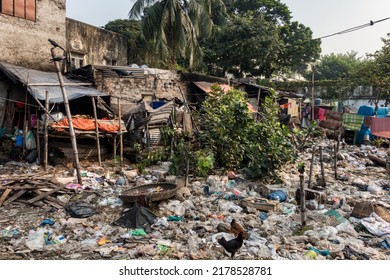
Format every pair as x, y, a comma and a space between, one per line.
36, 240
30, 141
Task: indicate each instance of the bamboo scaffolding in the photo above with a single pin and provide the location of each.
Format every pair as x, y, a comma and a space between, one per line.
69, 116
97, 130
120, 132
46, 135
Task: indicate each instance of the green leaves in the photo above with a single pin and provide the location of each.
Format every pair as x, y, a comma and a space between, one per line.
175, 27
236, 140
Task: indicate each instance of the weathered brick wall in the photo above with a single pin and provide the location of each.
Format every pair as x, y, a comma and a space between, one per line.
96, 43
162, 84
24, 42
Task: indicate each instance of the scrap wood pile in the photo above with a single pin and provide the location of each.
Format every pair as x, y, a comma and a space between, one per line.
31, 189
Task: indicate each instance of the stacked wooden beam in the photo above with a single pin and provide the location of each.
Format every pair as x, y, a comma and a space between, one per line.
36, 189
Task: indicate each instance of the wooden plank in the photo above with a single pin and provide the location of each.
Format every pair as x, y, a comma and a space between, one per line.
4, 196
8, 183
53, 204
52, 199
25, 187
39, 197
14, 197
38, 203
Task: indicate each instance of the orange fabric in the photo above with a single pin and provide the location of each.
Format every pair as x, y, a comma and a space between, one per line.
85, 124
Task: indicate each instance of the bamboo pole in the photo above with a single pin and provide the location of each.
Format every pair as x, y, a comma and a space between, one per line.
335, 161
69, 116
114, 157
120, 132
323, 182
97, 131
303, 202
46, 135
311, 167
25, 124
187, 172
38, 138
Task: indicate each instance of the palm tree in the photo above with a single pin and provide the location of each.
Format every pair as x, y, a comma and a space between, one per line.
176, 26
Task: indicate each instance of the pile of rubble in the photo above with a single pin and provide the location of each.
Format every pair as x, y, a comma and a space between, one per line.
346, 219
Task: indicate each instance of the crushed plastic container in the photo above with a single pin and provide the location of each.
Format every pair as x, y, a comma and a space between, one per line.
278, 195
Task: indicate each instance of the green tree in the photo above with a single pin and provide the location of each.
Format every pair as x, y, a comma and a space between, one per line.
336, 66
375, 72
259, 39
274, 11
136, 50
333, 74
229, 130
175, 26
244, 45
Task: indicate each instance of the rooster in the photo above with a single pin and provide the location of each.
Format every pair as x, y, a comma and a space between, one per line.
236, 228
233, 245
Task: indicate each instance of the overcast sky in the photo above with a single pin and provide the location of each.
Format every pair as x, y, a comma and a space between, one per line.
324, 17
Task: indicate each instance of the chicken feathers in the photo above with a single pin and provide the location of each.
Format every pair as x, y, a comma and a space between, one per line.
233, 245
236, 228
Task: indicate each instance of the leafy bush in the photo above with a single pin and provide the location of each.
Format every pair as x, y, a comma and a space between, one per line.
205, 162
237, 140
270, 145
226, 124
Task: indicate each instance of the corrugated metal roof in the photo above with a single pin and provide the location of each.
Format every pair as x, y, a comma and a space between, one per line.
38, 82
206, 86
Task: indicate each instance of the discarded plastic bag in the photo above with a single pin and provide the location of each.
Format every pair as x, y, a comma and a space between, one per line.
219, 235
347, 228
376, 225
36, 240
320, 252
255, 240
30, 141
80, 209
138, 232
161, 222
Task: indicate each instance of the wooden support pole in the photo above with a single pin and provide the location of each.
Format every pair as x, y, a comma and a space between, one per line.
335, 161
120, 132
69, 116
303, 202
338, 143
187, 172
38, 138
311, 167
46, 135
323, 181
114, 157
96, 130
25, 124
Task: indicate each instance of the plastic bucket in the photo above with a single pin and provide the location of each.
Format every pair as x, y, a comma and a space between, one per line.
19, 141
277, 195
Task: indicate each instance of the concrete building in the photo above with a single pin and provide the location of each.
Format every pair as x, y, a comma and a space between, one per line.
26, 26
88, 44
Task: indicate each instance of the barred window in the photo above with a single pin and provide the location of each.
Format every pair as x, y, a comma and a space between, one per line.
19, 8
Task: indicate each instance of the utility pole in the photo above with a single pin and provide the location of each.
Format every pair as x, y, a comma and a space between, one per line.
67, 109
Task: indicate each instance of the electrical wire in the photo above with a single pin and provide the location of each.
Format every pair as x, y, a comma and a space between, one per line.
352, 29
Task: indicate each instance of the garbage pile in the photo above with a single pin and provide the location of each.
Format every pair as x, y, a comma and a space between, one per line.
219, 217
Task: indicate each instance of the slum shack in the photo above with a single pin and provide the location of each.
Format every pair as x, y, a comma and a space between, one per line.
33, 108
